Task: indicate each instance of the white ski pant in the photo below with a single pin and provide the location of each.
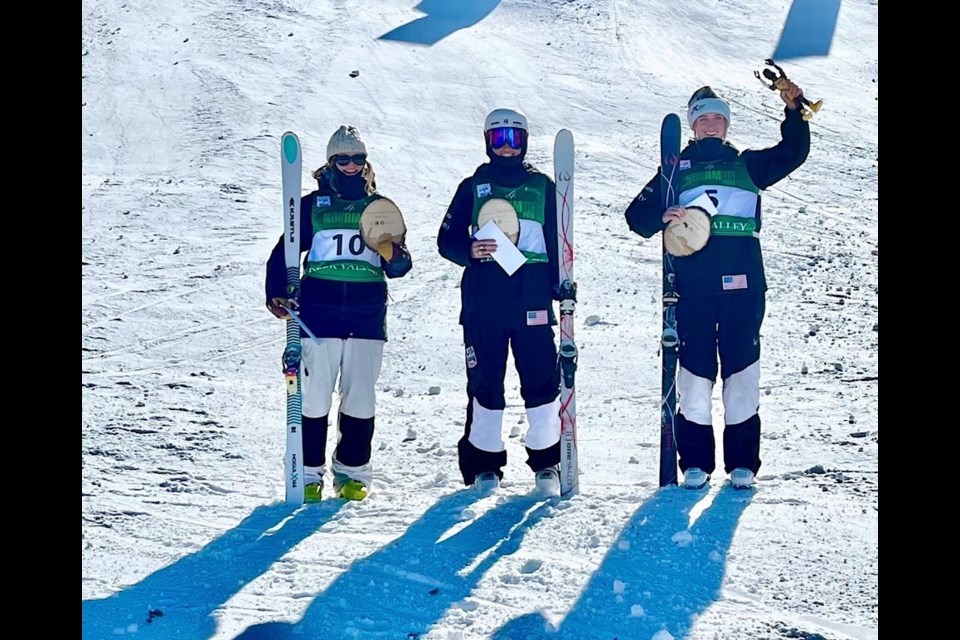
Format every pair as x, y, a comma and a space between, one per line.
358, 363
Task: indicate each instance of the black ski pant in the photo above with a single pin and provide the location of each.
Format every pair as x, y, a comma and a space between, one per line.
535, 355
728, 326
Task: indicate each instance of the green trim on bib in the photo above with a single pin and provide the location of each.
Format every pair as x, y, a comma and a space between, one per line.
345, 271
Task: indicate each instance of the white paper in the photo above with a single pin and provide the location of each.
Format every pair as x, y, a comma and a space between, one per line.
705, 203
507, 255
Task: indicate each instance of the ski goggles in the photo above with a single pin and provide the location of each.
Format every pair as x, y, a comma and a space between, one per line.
501, 136
358, 159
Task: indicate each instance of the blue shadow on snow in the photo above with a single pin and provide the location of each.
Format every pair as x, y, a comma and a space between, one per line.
808, 30
443, 18
407, 586
668, 572
184, 595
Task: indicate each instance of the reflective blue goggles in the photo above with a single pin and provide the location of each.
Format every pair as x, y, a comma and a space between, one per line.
501, 136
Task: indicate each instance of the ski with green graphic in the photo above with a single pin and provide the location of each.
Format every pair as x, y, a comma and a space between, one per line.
291, 164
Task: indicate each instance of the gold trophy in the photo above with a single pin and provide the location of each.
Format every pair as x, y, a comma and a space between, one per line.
777, 80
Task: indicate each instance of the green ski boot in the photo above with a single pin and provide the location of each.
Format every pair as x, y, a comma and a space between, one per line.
352, 490
313, 492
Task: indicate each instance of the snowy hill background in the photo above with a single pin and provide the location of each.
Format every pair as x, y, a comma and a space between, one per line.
184, 534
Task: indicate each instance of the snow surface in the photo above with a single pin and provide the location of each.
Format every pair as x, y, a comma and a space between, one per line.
184, 530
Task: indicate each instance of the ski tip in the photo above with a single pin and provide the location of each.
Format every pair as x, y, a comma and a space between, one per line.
671, 123
290, 144
564, 134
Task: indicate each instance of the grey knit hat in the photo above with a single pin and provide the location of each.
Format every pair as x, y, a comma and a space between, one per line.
703, 101
346, 141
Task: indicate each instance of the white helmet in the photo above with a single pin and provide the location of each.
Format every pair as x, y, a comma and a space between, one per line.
505, 118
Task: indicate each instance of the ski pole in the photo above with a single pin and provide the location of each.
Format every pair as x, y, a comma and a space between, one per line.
293, 314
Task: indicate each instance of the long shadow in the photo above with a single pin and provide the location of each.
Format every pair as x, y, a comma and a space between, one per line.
178, 600
443, 18
660, 573
808, 30
403, 589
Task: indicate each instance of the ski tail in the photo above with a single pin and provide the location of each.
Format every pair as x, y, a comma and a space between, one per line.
563, 174
670, 131
291, 165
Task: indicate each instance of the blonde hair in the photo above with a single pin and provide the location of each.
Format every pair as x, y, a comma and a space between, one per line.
369, 175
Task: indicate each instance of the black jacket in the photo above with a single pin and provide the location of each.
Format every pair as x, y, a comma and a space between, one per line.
488, 294
700, 274
331, 308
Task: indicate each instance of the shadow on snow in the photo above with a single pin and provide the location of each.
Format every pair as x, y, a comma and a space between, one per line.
178, 601
443, 18
407, 586
660, 574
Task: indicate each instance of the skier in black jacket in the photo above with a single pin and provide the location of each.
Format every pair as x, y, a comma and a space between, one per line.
722, 287
500, 311
343, 301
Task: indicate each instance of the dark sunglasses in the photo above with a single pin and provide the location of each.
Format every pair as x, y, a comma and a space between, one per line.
513, 136
358, 159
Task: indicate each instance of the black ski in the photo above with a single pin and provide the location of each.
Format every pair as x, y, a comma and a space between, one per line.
669, 340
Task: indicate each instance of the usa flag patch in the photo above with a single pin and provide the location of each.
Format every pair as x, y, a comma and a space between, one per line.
734, 282
535, 318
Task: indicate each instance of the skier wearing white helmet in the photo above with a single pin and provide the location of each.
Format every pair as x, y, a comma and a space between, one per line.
505, 118
501, 312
